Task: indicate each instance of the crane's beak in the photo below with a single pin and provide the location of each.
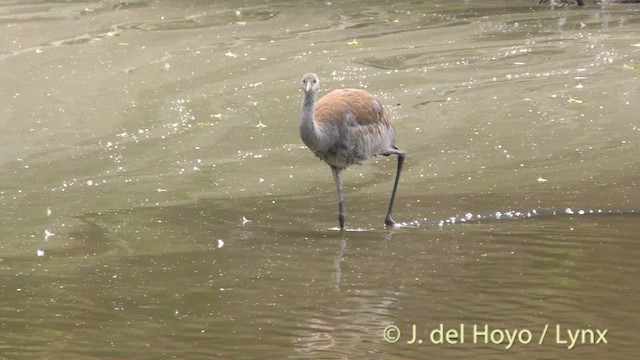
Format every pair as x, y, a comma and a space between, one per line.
308, 87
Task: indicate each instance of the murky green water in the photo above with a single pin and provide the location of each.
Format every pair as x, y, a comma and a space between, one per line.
157, 202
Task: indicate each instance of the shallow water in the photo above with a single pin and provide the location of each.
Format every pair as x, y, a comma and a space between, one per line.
157, 201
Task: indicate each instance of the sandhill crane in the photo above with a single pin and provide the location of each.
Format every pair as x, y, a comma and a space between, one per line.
347, 126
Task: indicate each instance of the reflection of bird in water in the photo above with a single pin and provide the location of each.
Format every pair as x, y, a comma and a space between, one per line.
345, 127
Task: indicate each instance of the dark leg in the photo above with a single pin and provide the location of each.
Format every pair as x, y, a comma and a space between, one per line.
388, 220
337, 177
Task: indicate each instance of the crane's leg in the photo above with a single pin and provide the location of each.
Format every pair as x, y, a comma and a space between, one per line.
388, 220
337, 177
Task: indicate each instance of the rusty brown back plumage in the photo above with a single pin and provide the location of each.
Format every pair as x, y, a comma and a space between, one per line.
364, 106
358, 123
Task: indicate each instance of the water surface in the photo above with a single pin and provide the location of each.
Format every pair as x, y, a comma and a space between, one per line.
157, 201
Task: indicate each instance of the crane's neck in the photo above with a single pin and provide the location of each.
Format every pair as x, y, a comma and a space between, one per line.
307, 126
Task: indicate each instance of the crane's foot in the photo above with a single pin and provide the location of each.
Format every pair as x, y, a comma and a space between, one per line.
388, 221
341, 218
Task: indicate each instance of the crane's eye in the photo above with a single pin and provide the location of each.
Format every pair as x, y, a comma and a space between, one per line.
315, 81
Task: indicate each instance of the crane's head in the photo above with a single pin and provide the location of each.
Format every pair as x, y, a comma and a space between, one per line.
310, 83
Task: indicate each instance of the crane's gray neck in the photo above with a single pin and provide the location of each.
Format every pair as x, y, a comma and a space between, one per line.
307, 126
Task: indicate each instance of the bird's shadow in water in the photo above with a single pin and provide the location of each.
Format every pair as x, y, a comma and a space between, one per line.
337, 263
342, 247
